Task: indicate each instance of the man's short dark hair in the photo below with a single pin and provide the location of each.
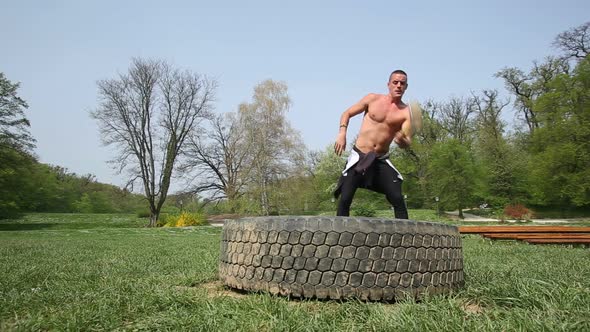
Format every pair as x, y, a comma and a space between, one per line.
397, 71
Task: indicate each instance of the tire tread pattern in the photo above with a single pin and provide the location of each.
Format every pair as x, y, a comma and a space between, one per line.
341, 257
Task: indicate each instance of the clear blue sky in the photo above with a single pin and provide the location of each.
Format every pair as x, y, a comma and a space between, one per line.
330, 54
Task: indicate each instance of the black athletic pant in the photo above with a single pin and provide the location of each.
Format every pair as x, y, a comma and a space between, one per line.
384, 180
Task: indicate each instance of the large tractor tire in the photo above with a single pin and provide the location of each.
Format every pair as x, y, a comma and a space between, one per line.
341, 257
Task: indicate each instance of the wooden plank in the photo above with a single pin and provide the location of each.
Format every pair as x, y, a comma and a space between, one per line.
559, 241
522, 229
537, 235
502, 236
555, 235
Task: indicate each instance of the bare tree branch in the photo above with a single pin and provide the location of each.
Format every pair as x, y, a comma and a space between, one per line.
147, 114
575, 42
455, 118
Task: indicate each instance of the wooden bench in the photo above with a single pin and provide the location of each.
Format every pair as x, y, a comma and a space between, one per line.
533, 234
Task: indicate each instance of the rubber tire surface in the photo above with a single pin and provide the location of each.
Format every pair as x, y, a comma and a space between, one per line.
341, 257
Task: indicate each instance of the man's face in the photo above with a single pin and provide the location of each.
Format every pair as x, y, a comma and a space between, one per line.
398, 83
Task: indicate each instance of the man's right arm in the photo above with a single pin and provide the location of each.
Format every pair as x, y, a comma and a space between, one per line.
355, 109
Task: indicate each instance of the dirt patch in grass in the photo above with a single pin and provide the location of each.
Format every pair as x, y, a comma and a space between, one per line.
472, 308
215, 289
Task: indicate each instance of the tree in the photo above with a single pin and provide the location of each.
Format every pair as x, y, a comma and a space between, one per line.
223, 157
16, 143
453, 175
84, 204
528, 87
561, 147
15, 187
503, 171
56, 189
413, 162
455, 118
278, 149
575, 43
14, 126
326, 174
248, 155
147, 114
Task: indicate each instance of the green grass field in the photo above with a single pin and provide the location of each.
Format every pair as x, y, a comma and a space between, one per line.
106, 272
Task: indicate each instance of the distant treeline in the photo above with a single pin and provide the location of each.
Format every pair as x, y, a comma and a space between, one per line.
37, 187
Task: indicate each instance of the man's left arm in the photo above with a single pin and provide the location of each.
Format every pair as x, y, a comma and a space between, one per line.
403, 138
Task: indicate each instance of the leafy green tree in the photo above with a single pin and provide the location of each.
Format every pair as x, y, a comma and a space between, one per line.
48, 194
15, 167
16, 144
527, 87
502, 166
14, 126
55, 189
413, 162
327, 172
83, 205
561, 146
453, 175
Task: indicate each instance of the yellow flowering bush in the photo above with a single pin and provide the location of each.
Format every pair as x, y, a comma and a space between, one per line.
185, 219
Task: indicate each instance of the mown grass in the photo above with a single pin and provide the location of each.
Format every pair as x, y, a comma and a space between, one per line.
57, 221
133, 278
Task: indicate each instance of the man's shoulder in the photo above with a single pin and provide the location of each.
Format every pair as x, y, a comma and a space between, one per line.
375, 96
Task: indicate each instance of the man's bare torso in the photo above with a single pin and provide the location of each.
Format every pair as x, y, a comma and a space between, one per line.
380, 123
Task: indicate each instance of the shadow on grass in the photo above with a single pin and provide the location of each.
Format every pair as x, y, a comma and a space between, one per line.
25, 227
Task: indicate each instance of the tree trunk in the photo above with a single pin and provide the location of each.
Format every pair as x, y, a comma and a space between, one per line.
264, 202
461, 213
154, 215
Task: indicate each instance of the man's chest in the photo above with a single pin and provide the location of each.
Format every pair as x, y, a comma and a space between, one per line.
386, 114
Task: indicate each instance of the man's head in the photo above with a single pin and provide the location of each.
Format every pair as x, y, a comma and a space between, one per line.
398, 83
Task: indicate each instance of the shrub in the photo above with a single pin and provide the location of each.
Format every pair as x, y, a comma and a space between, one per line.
162, 222
144, 214
83, 205
518, 212
364, 210
185, 219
